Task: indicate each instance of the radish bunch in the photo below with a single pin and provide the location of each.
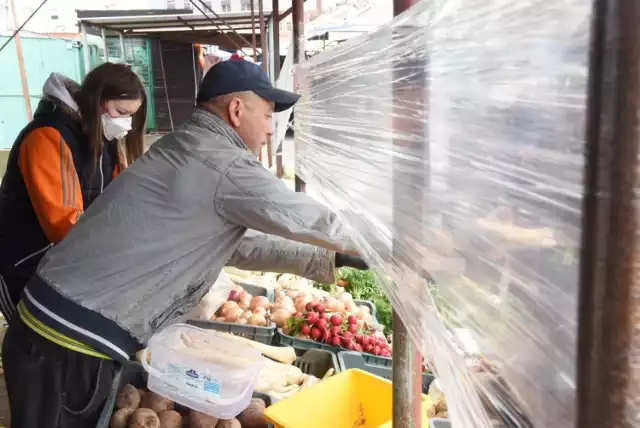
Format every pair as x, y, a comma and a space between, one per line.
335, 329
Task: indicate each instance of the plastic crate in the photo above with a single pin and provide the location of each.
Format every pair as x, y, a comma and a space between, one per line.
317, 362
283, 339
439, 423
370, 305
259, 334
369, 363
134, 374
352, 396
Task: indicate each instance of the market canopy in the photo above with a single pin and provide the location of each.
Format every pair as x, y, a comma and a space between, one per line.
178, 25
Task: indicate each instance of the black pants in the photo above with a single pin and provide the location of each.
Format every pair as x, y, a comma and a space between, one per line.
12, 282
50, 386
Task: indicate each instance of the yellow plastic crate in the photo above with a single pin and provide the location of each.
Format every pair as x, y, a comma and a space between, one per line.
351, 399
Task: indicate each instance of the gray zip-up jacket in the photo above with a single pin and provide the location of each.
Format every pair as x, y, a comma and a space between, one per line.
150, 246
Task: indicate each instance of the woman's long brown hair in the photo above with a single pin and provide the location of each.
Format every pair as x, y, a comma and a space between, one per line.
106, 82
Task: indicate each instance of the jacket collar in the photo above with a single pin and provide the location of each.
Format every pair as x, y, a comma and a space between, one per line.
213, 123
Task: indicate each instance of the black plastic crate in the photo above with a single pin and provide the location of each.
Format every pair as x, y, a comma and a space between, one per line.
317, 362
259, 334
439, 423
357, 360
134, 374
256, 290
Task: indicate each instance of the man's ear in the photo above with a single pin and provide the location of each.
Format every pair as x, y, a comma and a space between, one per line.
234, 112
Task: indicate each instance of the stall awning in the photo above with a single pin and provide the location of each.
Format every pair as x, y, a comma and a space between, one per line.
178, 25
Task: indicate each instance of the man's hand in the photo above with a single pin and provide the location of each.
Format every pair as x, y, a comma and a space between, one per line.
346, 260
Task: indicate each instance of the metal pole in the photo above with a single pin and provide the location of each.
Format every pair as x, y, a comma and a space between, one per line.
122, 48
298, 55
265, 65
23, 72
220, 28
104, 45
164, 82
271, 61
253, 33
207, 7
276, 39
85, 48
407, 180
608, 343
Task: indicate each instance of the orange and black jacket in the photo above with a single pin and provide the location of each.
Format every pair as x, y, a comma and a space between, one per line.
51, 178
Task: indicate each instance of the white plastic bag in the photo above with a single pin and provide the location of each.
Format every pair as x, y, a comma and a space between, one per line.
217, 295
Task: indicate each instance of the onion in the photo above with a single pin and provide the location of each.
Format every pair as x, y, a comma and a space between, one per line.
330, 303
259, 301
364, 309
238, 288
260, 310
351, 307
292, 293
361, 325
232, 314
245, 300
287, 302
234, 295
280, 317
279, 295
241, 321
257, 320
340, 306
345, 297
368, 319
226, 306
246, 315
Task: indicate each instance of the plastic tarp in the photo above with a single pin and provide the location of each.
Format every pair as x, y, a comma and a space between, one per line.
451, 142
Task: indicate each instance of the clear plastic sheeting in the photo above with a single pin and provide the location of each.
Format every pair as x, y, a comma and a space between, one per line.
451, 142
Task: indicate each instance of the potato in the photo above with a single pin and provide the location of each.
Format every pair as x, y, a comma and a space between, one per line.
201, 420
253, 416
156, 402
120, 418
144, 418
170, 419
229, 423
128, 398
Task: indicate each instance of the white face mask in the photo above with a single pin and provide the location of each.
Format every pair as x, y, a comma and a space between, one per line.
115, 127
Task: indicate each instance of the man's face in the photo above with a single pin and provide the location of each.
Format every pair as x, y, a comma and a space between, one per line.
251, 116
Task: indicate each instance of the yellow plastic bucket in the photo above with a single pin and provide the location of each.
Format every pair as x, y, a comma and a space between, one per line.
351, 399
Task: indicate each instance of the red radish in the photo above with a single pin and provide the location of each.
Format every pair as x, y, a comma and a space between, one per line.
357, 347
297, 315
358, 338
305, 329
376, 350
335, 319
324, 316
311, 318
323, 335
320, 308
382, 342
352, 319
309, 306
347, 335
368, 348
345, 342
234, 295
350, 346
352, 328
365, 340
321, 324
335, 341
387, 353
335, 330
315, 333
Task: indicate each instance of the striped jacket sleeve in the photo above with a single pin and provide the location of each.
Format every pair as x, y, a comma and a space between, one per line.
51, 179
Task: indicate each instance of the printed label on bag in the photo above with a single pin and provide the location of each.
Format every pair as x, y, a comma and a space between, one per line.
207, 386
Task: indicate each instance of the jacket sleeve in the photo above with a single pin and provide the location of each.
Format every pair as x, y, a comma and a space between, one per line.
249, 195
268, 253
50, 176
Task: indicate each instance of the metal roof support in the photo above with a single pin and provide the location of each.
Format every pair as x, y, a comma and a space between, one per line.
407, 361
608, 376
164, 82
298, 55
23, 72
123, 50
218, 27
85, 48
286, 13
253, 32
265, 64
104, 44
271, 64
207, 7
275, 12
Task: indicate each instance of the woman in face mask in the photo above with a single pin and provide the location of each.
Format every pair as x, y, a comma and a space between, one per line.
80, 138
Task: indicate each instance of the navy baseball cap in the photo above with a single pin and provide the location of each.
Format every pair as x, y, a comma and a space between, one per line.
239, 76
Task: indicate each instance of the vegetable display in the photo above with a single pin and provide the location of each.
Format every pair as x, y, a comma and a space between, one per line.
340, 329
155, 411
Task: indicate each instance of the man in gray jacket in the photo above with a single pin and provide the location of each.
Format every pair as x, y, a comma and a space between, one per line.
146, 251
